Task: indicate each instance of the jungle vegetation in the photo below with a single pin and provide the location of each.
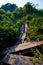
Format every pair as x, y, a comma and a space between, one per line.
11, 20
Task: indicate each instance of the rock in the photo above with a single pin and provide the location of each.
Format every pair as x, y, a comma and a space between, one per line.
19, 60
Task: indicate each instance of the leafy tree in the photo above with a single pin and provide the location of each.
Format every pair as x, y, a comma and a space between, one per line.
27, 8
9, 7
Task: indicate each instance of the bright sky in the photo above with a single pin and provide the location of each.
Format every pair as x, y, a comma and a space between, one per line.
21, 3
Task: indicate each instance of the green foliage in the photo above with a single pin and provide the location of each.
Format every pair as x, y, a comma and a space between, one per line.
9, 7
41, 48
35, 53
27, 8
2, 11
35, 25
11, 20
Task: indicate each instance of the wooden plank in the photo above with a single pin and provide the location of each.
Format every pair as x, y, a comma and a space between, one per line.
23, 46
28, 45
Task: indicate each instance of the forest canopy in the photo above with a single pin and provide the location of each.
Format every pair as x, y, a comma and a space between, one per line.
11, 19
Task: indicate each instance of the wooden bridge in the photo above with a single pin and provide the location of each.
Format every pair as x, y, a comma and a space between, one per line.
19, 48
28, 45
22, 46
